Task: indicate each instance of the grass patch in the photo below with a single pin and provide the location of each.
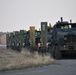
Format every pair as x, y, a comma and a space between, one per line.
10, 59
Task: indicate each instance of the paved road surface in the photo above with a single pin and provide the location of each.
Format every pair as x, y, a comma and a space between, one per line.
3, 46
64, 67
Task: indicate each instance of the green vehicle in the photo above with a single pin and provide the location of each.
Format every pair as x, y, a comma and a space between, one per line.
7, 41
59, 39
64, 39
44, 45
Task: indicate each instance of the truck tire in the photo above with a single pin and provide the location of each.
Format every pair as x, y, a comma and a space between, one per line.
55, 52
51, 51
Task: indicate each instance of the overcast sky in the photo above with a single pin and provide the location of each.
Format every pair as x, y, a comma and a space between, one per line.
20, 14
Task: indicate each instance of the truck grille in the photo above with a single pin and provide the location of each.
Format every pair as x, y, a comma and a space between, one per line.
71, 47
70, 38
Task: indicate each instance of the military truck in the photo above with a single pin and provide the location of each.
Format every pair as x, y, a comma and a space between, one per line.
34, 38
7, 41
46, 38
58, 40
64, 38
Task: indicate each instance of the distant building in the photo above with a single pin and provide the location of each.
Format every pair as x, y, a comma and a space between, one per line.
3, 39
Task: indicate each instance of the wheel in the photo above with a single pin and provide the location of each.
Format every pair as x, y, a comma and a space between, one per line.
55, 52
51, 51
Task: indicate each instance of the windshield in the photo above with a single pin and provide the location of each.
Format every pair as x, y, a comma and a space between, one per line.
66, 26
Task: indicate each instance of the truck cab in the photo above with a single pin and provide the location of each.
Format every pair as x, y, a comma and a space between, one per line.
64, 35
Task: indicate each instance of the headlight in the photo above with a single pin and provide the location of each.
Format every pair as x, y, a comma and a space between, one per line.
64, 46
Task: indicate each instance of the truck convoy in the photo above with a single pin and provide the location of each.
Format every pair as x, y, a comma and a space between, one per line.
57, 40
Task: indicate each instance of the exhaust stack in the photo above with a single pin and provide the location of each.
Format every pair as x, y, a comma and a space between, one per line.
61, 19
70, 21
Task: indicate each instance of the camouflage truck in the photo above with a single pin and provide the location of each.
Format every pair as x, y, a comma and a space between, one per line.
35, 36
11, 40
64, 38
7, 41
45, 39
20, 39
17, 40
